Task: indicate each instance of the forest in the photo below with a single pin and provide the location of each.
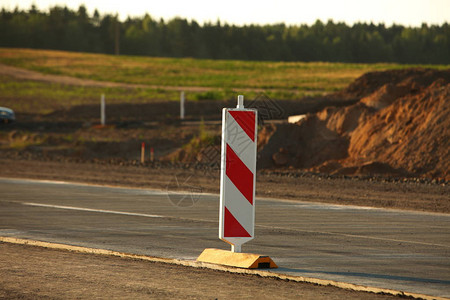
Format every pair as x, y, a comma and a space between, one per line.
61, 28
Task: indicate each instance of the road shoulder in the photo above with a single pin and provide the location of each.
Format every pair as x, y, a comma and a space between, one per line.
31, 272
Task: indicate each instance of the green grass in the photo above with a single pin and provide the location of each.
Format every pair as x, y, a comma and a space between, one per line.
226, 78
231, 74
28, 96
9, 87
21, 140
41, 97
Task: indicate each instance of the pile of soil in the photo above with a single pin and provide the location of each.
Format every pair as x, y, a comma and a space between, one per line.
399, 126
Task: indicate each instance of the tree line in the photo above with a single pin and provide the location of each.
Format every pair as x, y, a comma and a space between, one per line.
61, 28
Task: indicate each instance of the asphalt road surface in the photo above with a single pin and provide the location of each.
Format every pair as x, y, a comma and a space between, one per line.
408, 251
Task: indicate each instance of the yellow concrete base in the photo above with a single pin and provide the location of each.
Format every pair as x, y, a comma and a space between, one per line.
240, 260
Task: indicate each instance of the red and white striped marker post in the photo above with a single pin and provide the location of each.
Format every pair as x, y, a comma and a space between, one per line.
238, 175
237, 190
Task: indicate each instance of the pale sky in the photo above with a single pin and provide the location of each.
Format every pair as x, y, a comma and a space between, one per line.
239, 12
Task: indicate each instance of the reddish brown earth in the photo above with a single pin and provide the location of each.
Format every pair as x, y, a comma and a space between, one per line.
399, 127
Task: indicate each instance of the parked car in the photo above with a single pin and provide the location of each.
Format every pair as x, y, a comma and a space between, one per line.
7, 115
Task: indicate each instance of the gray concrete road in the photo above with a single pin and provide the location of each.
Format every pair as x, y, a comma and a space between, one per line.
408, 251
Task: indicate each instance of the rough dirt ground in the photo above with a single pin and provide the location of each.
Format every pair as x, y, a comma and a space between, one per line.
56, 274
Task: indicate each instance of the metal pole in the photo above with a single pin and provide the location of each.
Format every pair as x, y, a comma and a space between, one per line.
240, 103
236, 248
102, 110
182, 100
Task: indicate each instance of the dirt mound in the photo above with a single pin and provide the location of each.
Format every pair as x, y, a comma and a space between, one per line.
416, 78
412, 133
399, 126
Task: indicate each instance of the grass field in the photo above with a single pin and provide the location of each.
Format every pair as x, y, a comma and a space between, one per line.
226, 78
42, 97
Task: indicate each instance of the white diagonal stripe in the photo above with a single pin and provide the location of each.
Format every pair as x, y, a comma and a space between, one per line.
241, 209
93, 210
241, 143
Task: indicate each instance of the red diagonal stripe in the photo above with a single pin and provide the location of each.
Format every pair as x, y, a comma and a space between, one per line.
245, 119
232, 227
239, 174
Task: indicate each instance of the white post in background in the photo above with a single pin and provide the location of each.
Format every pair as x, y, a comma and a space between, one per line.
102, 110
182, 100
